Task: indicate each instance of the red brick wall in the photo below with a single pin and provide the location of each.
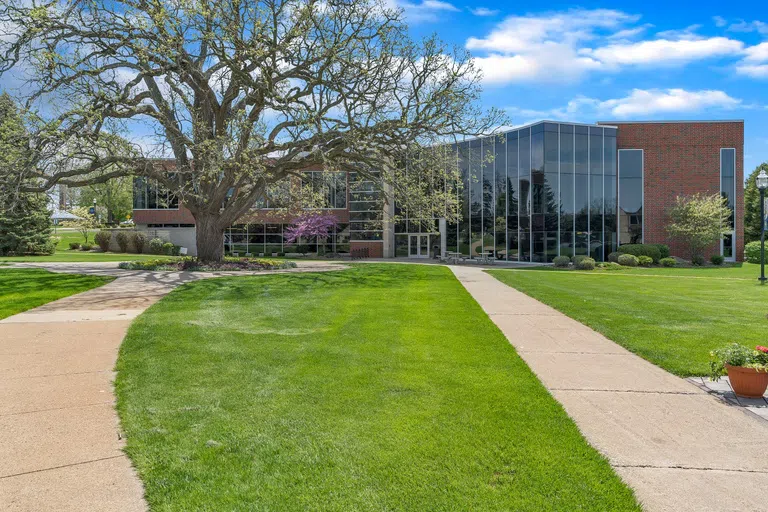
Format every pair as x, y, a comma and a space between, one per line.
180, 216
375, 249
683, 159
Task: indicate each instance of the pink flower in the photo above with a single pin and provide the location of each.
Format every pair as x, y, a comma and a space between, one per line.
762, 349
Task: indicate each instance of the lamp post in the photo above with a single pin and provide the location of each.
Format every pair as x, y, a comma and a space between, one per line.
762, 183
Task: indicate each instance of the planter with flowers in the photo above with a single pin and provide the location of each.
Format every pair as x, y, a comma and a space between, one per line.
747, 369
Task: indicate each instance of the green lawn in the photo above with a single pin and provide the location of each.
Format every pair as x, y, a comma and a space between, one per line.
383, 387
80, 256
65, 255
23, 289
672, 317
68, 235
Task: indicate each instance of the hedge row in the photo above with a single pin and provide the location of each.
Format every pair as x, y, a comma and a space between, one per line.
654, 251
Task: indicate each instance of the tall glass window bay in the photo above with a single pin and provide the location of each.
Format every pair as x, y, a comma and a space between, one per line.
536, 192
728, 192
630, 196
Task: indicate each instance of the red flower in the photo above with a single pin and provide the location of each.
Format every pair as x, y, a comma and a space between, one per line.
762, 349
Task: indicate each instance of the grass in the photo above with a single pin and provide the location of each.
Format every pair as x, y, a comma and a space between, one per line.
382, 387
672, 317
64, 254
25, 289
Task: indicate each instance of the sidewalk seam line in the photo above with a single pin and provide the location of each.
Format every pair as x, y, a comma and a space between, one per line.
63, 466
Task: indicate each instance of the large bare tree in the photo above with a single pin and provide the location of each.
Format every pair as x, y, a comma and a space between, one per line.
243, 94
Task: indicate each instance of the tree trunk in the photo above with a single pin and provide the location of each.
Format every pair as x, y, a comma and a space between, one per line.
209, 235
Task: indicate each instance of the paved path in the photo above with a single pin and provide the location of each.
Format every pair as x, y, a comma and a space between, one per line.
677, 446
60, 442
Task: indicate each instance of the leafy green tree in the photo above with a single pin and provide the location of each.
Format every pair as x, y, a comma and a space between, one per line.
245, 95
698, 222
752, 206
85, 224
25, 222
114, 198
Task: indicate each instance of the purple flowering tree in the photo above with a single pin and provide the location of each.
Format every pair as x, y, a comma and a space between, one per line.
310, 225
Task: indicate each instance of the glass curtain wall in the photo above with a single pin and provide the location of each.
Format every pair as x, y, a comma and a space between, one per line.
267, 238
535, 193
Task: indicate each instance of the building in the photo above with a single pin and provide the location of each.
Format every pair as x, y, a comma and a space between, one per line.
528, 195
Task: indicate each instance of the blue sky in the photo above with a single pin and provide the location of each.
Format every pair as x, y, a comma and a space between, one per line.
619, 61
625, 60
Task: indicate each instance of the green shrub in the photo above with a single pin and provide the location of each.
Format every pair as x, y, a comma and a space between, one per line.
650, 250
585, 263
156, 246
697, 260
578, 258
102, 239
122, 240
168, 249
645, 261
663, 249
609, 265
752, 252
86, 247
614, 257
561, 261
716, 259
668, 262
628, 260
139, 241
74, 246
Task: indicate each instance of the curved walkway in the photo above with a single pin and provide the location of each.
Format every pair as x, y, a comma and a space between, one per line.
677, 446
61, 444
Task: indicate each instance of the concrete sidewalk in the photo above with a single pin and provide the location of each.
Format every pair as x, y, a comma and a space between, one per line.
61, 446
677, 446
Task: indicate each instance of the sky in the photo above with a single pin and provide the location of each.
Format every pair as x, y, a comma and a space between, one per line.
624, 60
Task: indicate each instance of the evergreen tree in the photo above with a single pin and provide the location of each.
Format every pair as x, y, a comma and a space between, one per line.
25, 222
25, 228
752, 206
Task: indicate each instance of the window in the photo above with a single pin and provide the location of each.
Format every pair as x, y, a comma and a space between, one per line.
149, 195
728, 191
630, 196
331, 187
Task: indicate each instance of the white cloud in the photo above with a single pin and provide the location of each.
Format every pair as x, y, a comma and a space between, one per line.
665, 51
424, 11
543, 48
629, 33
484, 11
749, 26
757, 53
567, 45
753, 70
719, 21
638, 103
755, 61
654, 101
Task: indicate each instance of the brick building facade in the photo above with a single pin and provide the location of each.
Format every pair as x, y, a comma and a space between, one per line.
680, 159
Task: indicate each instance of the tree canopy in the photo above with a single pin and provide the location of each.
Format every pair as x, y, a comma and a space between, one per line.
699, 221
752, 222
243, 94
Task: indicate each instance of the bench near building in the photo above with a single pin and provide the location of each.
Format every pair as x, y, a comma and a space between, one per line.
551, 188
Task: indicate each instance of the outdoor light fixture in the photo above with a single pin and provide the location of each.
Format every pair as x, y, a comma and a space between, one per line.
762, 184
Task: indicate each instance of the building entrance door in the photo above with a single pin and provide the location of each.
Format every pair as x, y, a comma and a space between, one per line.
418, 246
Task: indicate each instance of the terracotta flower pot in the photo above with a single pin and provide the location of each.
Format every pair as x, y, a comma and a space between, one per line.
747, 382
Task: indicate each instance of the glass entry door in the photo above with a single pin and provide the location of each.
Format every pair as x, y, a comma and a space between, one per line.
418, 246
